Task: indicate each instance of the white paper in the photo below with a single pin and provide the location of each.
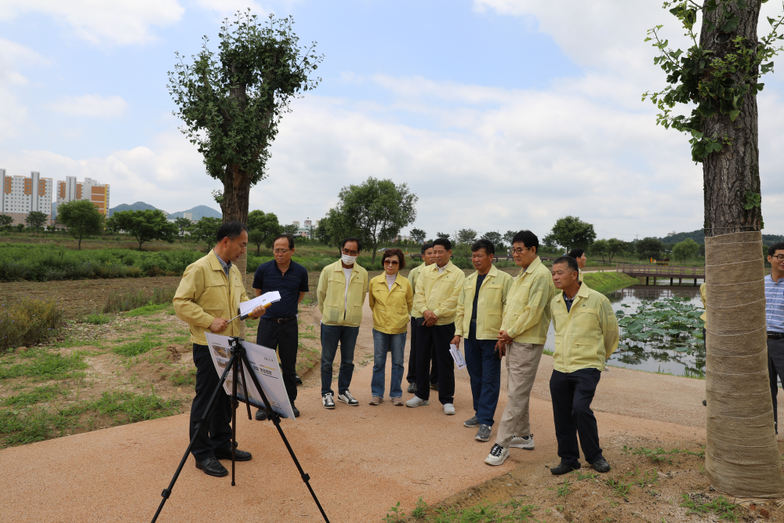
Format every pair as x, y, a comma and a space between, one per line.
264, 364
457, 356
246, 307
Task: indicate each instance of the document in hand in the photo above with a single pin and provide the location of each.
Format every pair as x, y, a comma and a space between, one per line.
457, 356
266, 299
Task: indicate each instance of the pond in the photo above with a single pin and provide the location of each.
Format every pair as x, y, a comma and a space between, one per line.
675, 347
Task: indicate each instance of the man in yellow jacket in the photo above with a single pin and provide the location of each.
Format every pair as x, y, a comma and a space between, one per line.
438, 288
523, 333
586, 334
207, 298
428, 259
478, 320
341, 293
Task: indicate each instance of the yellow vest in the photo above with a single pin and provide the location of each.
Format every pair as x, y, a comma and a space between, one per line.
390, 306
490, 304
337, 307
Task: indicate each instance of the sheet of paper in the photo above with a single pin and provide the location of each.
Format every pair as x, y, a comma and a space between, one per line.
264, 364
246, 307
457, 356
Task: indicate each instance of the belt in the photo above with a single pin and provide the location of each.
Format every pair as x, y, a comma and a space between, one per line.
775, 335
281, 320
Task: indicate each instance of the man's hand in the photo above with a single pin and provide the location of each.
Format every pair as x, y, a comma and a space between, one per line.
258, 312
456, 341
430, 318
218, 325
504, 336
500, 348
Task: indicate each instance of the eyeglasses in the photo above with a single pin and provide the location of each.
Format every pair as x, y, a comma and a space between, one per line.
520, 250
390, 261
350, 253
281, 251
778, 257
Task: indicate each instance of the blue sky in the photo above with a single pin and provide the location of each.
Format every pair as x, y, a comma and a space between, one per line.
498, 114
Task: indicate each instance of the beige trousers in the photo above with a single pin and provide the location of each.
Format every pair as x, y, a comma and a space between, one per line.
522, 361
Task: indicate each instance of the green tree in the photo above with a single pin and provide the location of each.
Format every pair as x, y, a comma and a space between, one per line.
442, 235
508, 237
418, 235
686, 249
262, 227
183, 224
609, 248
600, 248
649, 248
571, 232
206, 230
145, 226
466, 236
495, 238
291, 229
5, 221
374, 211
81, 217
36, 220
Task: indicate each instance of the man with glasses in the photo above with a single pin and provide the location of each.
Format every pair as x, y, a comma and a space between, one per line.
278, 327
478, 320
774, 316
413, 276
341, 293
436, 299
521, 339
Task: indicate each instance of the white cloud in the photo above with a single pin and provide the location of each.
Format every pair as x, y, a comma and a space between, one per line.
228, 8
90, 105
13, 57
116, 22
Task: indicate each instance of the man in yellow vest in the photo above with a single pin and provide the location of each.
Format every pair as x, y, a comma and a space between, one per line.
428, 259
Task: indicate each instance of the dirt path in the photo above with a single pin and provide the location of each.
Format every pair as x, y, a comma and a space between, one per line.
361, 460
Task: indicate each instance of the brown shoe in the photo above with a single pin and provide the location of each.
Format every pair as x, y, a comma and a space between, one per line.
397, 402
375, 400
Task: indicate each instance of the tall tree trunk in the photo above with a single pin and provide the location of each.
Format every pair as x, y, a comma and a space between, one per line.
742, 457
236, 199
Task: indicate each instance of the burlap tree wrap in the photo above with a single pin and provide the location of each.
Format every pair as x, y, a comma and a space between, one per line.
741, 457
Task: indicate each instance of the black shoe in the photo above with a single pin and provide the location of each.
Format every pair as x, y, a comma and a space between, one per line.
704, 403
411, 388
296, 410
297, 379
261, 415
601, 466
212, 467
563, 468
239, 455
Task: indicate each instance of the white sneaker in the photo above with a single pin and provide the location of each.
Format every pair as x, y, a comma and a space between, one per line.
449, 409
497, 455
348, 399
327, 401
526, 443
416, 401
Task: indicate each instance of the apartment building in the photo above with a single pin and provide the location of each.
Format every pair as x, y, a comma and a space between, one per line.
22, 195
70, 189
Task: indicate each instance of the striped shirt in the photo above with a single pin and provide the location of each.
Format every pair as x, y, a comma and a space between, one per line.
774, 304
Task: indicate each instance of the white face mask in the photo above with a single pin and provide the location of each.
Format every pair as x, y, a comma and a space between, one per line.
348, 260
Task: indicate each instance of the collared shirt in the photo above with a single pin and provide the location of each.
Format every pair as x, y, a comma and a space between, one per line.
269, 278
338, 305
774, 304
527, 312
390, 306
226, 266
586, 335
486, 300
437, 291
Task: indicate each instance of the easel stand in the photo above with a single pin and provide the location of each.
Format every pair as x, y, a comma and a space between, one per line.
237, 363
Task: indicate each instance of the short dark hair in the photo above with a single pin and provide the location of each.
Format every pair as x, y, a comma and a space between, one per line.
395, 252
351, 239
230, 229
444, 242
426, 246
286, 235
571, 262
527, 238
775, 247
576, 253
482, 243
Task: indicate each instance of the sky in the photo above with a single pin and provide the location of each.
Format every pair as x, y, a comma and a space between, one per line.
498, 114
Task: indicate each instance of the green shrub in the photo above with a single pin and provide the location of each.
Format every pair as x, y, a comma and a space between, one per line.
29, 321
134, 300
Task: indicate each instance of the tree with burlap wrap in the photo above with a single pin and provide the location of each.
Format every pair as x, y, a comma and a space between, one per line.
719, 76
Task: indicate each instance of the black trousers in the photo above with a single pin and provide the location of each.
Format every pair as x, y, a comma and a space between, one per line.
217, 432
572, 394
775, 371
283, 337
439, 337
412, 365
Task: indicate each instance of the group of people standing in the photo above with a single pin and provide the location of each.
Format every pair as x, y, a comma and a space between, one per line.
493, 314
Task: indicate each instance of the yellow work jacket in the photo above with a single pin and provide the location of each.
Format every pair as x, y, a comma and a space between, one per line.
413, 275
489, 306
337, 307
390, 306
205, 293
527, 312
438, 292
586, 335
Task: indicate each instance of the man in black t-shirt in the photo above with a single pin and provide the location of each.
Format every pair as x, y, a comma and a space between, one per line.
278, 327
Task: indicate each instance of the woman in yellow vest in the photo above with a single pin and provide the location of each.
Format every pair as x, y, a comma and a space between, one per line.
390, 297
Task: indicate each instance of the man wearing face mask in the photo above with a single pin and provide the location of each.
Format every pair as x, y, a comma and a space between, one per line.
341, 293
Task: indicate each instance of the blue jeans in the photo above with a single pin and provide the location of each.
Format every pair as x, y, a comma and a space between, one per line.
383, 343
330, 336
484, 368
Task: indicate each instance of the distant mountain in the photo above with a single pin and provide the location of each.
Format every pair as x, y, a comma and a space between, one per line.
699, 237
198, 212
138, 206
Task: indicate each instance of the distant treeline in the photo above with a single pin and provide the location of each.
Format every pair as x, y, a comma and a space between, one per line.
699, 237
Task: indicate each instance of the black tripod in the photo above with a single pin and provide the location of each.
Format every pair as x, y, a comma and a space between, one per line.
237, 362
